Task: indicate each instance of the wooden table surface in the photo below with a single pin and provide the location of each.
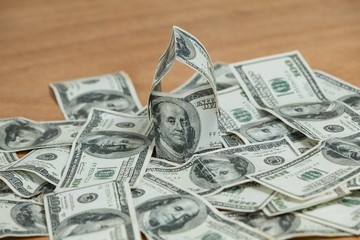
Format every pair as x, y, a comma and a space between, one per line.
44, 41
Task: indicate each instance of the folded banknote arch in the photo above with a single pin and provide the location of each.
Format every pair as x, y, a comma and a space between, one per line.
187, 123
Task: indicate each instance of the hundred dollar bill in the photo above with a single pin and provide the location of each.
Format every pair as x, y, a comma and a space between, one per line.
320, 120
21, 219
187, 49
247, 197
158, 162
211, 172
113, 91
277, 80
231, 140
111, 146
185, 124
166, 211
102, 211
354, 184
285, 226
223, 75
341, 213
270, 128
281, 203
18, 134
24, 184
330, 164
235, 109
47, 163
6, 159
337, 89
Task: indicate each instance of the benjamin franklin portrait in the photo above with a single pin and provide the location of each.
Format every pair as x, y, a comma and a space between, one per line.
177, 128
171, 214
212, 171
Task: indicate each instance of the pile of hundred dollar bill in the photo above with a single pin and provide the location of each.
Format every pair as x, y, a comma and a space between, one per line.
266, 148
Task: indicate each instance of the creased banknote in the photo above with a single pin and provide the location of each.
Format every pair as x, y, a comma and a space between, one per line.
285, 226
21, 219
166, 211
235, 109
336, 89
6, 159
102, 211
111, 146
211, 172
271, 128
47, 163
341, 213
18, 134
281, 203
113, 91
331, 164
278, 80
23, 183
246, 197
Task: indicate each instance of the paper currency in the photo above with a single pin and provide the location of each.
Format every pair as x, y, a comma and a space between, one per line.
277, 80
231, 140
337, 89
346, 215
158, 162
18, 134
113, 91
270, 128
235, 109
102, 211
165, 211
111, 146
211, 172
320, 120
285, 226
247, 197
281, 203
47, 163
24, 184
223, 75
185, 124
21, 219
187, 49
354, 184
6, 159
329, 165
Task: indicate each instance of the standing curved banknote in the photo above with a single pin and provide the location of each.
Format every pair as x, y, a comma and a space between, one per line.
185, 124
111, 146
103, 211
20, 218
113, 91
211, 172
174, 114
18, 134
224, 79
166, 211
285, 226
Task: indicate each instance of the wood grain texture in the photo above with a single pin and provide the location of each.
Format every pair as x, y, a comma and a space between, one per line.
44, 41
